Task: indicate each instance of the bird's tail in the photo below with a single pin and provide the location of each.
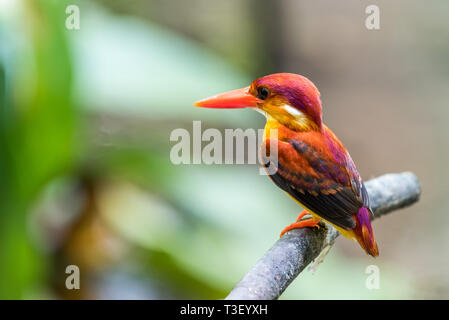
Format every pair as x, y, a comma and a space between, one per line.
364, 232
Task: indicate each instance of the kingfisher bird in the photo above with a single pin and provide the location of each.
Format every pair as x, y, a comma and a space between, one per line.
312, 165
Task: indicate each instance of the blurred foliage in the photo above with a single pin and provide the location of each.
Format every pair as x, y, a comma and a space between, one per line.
36, 131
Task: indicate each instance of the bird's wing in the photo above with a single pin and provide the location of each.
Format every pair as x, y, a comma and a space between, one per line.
332, 190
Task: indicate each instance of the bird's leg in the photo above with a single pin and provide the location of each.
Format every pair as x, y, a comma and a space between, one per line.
311, 222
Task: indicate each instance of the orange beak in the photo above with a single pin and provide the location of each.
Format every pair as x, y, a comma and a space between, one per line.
240, 98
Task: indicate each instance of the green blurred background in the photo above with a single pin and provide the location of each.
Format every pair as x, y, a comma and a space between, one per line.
85, 120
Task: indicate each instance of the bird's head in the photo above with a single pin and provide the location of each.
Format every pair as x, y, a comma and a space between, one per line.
291, 99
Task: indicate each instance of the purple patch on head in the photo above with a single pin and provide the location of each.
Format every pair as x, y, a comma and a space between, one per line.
299, 91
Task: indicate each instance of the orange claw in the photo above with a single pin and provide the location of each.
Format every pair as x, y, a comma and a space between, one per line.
312, 222
302, 214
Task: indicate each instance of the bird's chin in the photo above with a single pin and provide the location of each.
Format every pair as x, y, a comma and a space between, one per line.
260, 111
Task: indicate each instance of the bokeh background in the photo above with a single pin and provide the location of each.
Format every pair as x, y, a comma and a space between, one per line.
85, 120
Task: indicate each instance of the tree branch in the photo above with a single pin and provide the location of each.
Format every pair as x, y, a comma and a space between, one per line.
280, 265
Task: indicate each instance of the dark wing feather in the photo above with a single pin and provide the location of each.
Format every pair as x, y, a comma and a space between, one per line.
321, 185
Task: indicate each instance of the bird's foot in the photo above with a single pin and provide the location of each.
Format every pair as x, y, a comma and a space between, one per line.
309, 222
302, 214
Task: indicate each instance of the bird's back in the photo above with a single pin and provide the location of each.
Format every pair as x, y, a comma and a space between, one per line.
315, 169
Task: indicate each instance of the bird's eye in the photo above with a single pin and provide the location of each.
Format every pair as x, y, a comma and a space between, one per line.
262, 93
